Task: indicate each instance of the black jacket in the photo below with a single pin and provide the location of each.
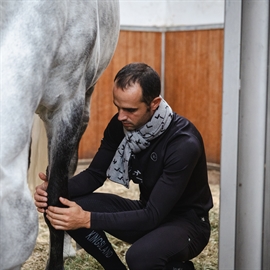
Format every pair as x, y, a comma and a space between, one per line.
171, 173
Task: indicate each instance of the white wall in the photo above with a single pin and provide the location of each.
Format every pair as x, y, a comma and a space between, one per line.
171, 13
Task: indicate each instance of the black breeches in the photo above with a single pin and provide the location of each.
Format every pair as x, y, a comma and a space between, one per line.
178, 238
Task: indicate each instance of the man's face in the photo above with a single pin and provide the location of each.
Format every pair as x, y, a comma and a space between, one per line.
133, 113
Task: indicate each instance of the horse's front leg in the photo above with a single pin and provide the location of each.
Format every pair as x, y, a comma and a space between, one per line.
55, 260
57, 187
63, 137
68, 248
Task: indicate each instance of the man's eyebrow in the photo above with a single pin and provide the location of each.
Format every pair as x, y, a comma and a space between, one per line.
126, 109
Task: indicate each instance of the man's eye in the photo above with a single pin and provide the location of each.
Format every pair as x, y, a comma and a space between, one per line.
131, 110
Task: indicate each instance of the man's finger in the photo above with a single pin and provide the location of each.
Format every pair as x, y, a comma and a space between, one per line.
41, 210
43, 176
66, 202
40, 194
57, 210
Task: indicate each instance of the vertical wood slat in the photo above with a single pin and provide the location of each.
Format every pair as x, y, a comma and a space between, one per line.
193, 82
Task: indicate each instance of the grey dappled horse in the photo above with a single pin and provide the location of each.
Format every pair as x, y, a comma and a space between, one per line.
52, 53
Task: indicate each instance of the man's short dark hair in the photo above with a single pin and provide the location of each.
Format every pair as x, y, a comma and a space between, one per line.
142, 74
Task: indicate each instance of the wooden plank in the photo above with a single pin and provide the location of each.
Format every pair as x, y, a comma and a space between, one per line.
193, 82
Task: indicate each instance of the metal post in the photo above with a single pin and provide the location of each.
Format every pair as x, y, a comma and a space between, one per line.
252, 129
266, 229
244, 161
229, 151
163, 53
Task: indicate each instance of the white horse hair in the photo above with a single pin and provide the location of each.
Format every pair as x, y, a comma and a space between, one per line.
52, 54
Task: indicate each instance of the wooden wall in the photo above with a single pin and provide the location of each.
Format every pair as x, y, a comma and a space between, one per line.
193, 82
193, 85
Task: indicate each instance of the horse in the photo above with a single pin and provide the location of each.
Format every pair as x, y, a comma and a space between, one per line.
52, 54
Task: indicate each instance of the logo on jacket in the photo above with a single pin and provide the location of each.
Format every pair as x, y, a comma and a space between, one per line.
154, 156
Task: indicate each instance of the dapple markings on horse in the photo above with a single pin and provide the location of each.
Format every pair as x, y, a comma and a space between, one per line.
52, 53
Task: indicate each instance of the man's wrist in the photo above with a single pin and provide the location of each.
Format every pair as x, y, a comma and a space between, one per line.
87, 220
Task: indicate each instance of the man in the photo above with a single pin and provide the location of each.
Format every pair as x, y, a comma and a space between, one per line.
164, 154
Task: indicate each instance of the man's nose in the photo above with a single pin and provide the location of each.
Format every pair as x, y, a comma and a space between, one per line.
121, 115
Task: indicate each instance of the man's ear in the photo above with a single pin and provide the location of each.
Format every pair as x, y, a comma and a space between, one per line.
155, 103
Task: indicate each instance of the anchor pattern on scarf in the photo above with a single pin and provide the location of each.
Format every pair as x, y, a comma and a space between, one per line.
138, 140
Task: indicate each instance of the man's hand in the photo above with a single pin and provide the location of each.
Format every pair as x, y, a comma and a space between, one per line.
71, 218
40, 195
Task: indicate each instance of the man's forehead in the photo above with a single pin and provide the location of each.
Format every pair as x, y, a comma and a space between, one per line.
130, 89
128, 98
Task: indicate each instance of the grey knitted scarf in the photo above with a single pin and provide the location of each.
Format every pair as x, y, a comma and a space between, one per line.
136, 141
